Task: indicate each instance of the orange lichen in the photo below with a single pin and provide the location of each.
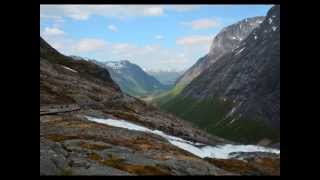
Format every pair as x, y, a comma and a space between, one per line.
119, 163
93, 146
263, 166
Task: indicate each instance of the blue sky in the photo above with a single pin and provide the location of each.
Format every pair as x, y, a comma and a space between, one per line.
157, 37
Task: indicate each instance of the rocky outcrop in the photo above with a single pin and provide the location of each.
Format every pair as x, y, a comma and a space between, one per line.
249, 76
70, 145
224, 42
250, 163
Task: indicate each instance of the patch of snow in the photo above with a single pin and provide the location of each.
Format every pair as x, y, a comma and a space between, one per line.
221, 151
273, 16
260, 22
274, 28
234, 37
115, 65
240, 51
233, 110
270, 20
255, 37
232, 120
69, 69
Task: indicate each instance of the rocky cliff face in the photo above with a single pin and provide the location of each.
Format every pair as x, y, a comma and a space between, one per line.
240, 90
225, 41
250, 75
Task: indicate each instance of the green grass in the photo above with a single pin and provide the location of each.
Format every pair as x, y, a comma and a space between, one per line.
65, 172
210, 115
165, 97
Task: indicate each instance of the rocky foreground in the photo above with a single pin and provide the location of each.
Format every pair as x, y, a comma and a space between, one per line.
72, 145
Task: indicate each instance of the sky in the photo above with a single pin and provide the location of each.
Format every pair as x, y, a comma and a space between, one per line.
156, 37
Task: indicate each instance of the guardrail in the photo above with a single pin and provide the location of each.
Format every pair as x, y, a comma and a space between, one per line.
54, 109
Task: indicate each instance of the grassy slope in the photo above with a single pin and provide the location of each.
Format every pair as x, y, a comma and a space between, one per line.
210, 115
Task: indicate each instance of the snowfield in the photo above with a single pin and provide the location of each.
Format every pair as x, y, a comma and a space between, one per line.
219, 152
65, 67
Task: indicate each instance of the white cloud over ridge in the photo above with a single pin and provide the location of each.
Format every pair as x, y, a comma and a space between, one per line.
89, 45
194, 40
204, 23
48, 31
147, 56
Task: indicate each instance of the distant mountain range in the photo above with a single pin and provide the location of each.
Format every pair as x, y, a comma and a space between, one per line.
166, 77
234, 90
131, 78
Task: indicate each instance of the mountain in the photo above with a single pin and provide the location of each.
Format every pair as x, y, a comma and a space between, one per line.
166, 77
77, 96
224, 42
131, 78
238, 95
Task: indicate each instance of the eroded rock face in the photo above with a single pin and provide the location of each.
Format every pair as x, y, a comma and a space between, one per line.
224, 42
248, 76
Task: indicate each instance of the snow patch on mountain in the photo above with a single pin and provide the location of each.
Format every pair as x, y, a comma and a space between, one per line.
65, 67
274, 28
240, 51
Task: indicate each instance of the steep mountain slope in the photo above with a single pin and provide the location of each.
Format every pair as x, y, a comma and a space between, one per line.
131, 78
238, 96
70, 144
224, 42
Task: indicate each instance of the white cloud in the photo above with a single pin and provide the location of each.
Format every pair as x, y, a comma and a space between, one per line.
52, 32
194, 40
158, 37
204, 23
112, 28
183, 8
89, 45
84, 12
153, 11
147, 56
